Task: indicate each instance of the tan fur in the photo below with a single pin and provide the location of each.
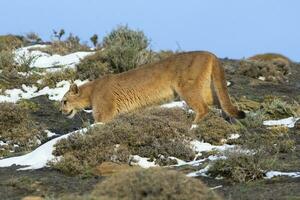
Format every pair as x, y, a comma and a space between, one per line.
194, 76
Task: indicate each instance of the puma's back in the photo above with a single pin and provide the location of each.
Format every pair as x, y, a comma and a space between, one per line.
197, 77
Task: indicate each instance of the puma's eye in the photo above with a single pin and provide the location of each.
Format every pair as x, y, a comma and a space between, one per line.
64, 102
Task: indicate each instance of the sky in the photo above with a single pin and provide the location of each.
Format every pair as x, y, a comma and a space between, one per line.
228, 28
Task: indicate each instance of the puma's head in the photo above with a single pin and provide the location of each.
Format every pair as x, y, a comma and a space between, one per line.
73, 101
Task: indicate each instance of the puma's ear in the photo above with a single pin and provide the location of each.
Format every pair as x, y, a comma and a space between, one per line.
74, 88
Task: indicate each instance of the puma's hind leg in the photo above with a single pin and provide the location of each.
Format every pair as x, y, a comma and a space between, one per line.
194, 99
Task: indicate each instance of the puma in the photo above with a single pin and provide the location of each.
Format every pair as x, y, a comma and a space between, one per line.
197, 77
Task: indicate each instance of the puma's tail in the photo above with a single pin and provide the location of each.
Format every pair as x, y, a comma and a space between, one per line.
220, 86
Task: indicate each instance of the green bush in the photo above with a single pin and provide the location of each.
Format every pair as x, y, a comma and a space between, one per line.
214, 129
276, 108
241, 166
7, 62
92, 67
17, 128
124, 49
271, 71
9, 42
154, 133
50, 79
152, 184
70, 45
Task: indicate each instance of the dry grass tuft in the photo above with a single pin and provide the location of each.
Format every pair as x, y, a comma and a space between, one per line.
50, 79
154, 133
241, 166
9, 42
17, 128
152, 184
214, 129
71, 45
273, 67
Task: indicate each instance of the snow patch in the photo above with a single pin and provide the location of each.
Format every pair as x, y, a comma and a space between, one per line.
262, 78
234, 136
44, 60
199, 146
142, 161
201, 172
27, 92
272, 174
175, 104
194, 126
50, 134
3, 143
39, 157
288, 122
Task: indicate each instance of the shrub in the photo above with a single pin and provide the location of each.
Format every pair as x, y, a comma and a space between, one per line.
92, 67
271, 141
70, 45
13, 79
271, 71
33, 38
154, 133
50, 79
214, 129
152, 184
271, 57
241, 166
275, 108
9, 42
124, 49
10, 76
17, 128
7, 62
253, 120
94, 40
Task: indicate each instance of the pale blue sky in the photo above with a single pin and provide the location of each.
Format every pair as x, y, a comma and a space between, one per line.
229, 28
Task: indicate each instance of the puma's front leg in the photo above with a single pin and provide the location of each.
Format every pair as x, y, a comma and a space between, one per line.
104, 114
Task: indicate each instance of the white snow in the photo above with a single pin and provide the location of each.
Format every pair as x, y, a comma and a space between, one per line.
216, 187
201, 172
199, 146
262, 78
3, 143
234, 136
272, 174
289, 122
177, 104
142, 161
39, 157
194, 126
174, 104
44, 60
27, 92
50, 134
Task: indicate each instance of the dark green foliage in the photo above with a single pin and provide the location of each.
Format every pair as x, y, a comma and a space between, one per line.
124, 49
92, 67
